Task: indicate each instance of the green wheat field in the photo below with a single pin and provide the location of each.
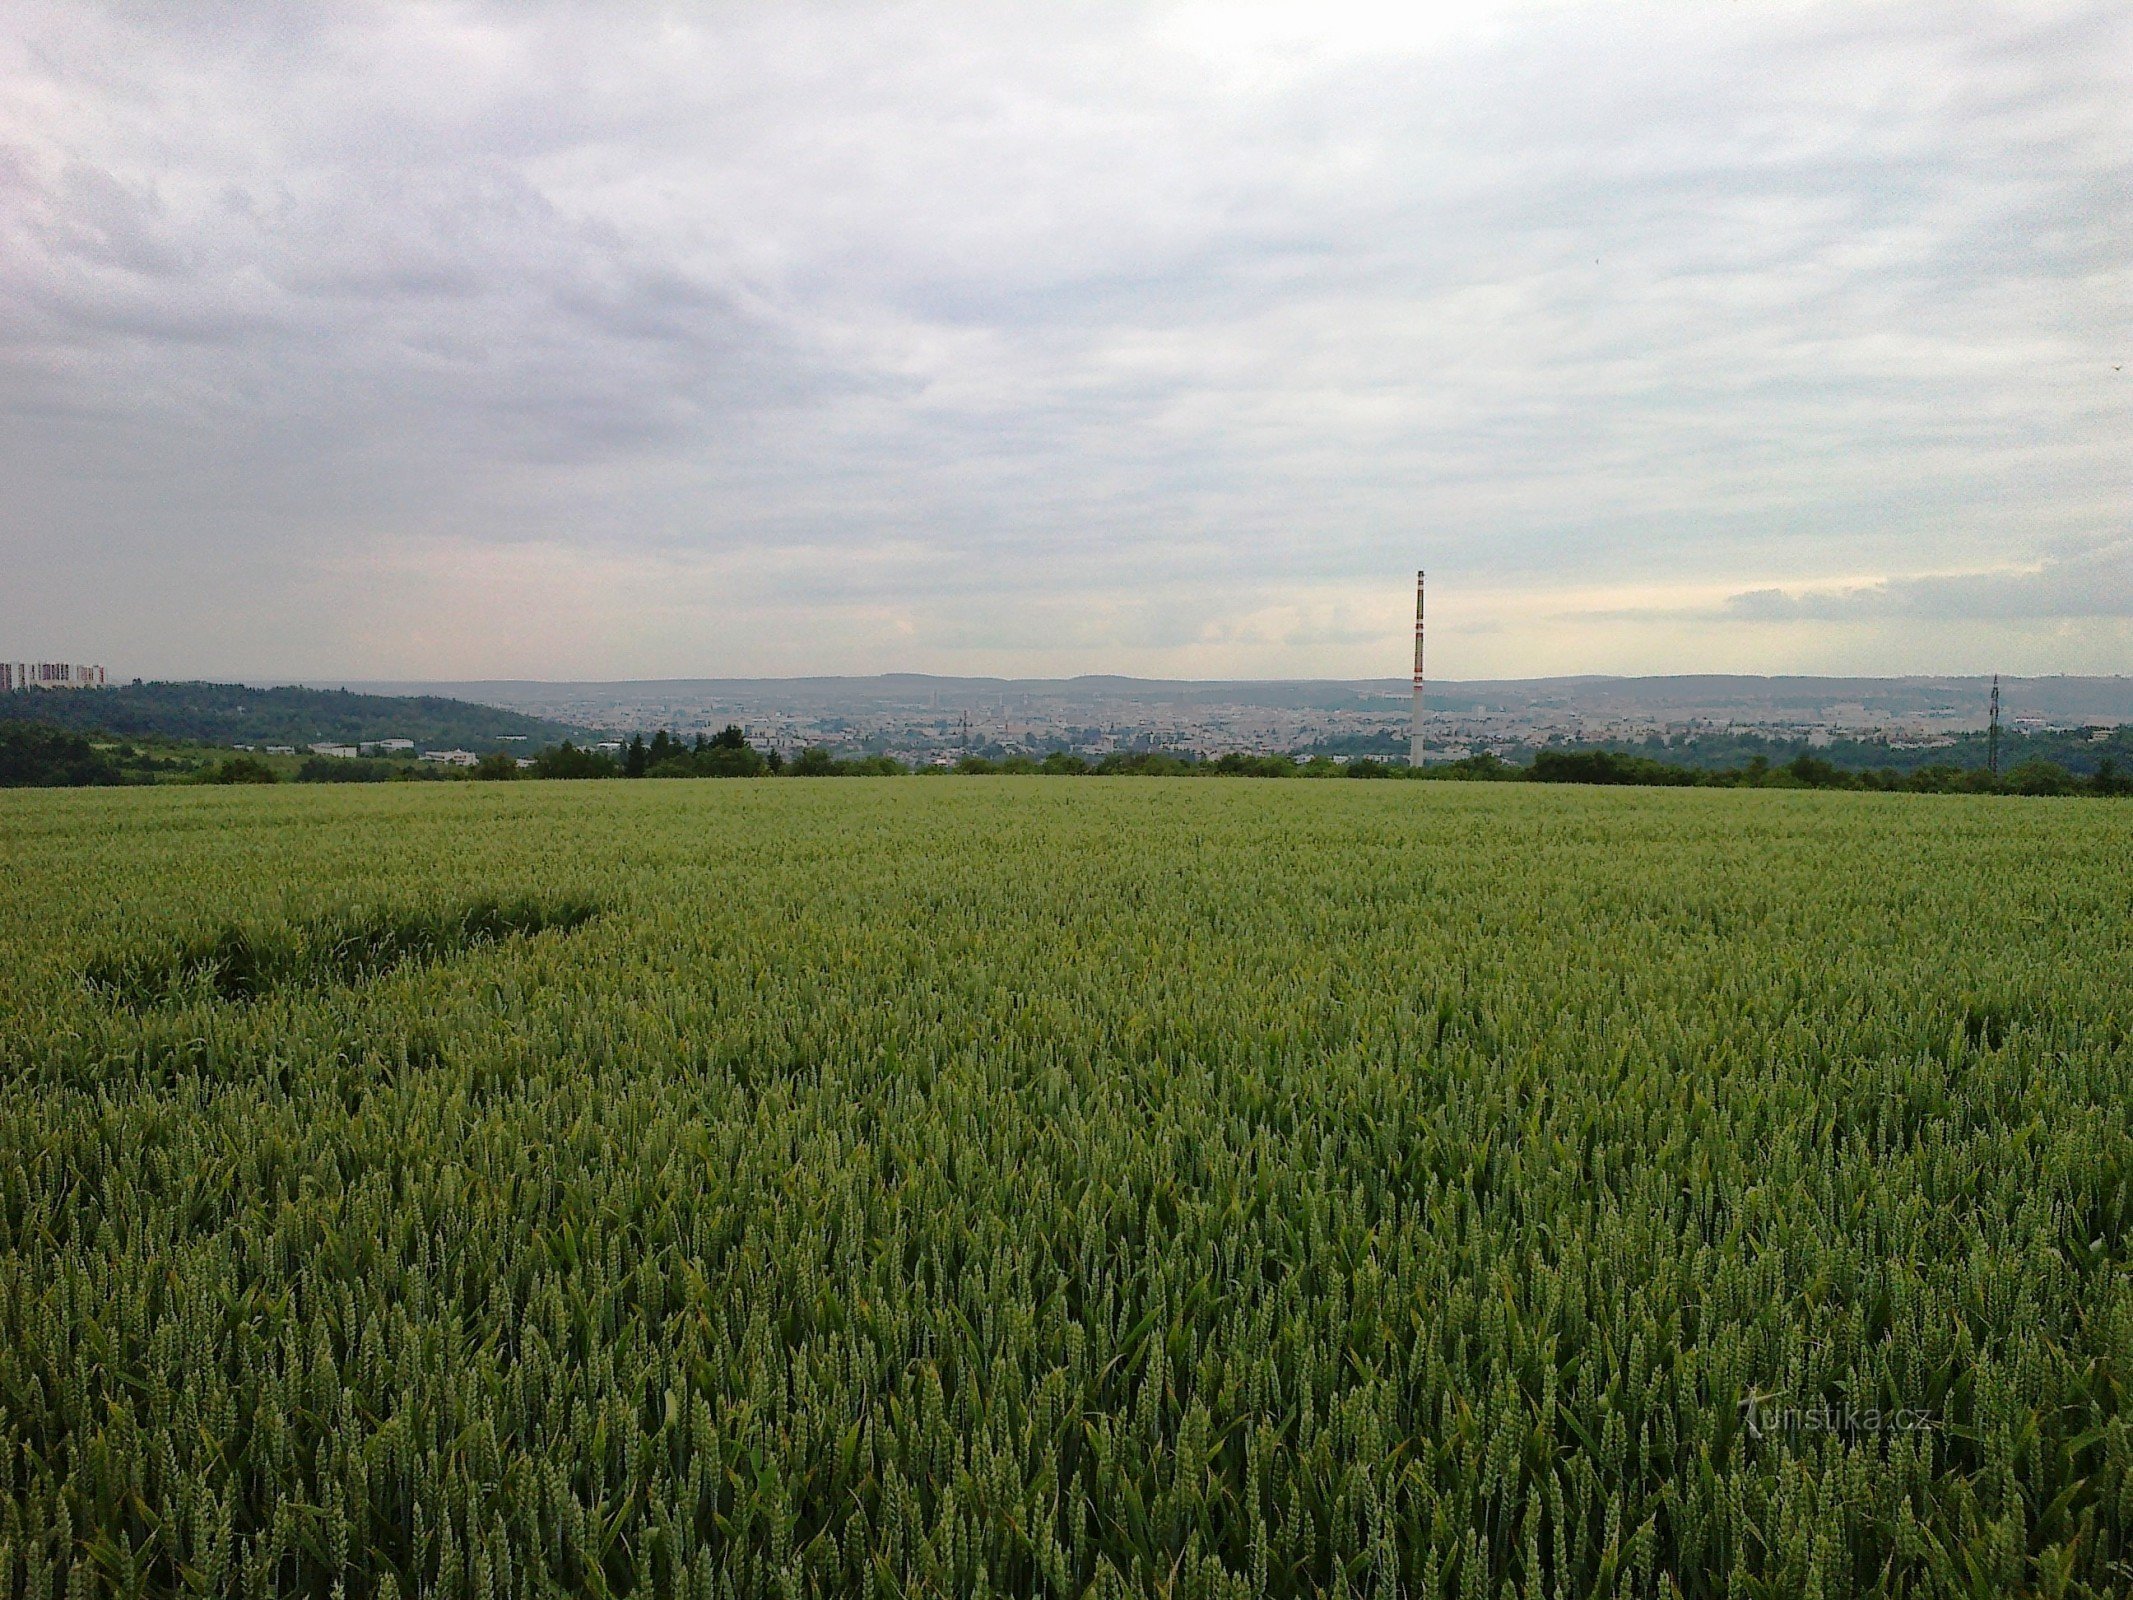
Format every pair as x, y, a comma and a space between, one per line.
1026, 1186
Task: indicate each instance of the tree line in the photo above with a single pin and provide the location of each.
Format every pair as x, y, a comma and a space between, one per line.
36, 755
730, 755
228, 714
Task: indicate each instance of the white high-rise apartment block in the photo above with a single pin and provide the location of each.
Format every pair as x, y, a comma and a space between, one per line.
48, 675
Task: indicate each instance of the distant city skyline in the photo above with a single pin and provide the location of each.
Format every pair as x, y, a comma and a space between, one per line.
923, 719
480, 341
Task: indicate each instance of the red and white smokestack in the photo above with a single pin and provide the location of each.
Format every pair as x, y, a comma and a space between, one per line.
1414, 746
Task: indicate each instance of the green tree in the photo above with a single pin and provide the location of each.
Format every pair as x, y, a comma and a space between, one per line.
240, 769
712, 761
338, 769
2042, 777
1815, 772
566, 760
35, 756
1485, 767
1605, 766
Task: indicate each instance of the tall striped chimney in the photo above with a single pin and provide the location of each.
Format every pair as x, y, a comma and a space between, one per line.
1414, 748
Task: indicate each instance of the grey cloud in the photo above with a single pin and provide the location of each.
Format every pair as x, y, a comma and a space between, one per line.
1638, 294
106, 223
2094, 583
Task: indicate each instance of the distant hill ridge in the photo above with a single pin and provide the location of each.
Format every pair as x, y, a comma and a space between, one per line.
612, 703
236, 713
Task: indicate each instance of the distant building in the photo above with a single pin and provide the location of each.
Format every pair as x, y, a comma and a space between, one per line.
281, 749
48, 675
388, 744
347, 752
453, 758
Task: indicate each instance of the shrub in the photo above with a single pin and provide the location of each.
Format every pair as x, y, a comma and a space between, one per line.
240, 769
1606, 766
339, 769
1146, 764
1239, 764
1485, 767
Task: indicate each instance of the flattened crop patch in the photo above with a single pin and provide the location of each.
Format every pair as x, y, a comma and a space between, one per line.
241, 964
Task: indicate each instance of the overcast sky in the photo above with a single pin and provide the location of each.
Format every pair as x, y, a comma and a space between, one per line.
589, 342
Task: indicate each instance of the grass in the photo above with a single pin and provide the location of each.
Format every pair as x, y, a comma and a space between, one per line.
1019, 1185
237, 963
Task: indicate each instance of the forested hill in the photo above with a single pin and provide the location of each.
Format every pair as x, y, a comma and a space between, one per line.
234, 713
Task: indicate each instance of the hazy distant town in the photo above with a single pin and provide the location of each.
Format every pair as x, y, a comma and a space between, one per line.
920, 719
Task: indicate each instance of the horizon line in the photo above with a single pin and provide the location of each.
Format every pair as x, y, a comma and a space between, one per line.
1399, 682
